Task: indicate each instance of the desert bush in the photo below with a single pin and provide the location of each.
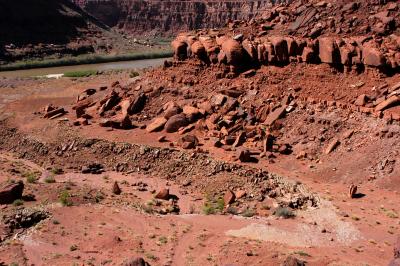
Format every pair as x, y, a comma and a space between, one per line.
284, 212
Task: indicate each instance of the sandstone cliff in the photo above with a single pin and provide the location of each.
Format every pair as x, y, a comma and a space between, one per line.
152, 17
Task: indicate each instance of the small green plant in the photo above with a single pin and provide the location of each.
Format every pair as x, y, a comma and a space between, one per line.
248, 213
80, 74
56, 171
220, 204
163, 240
18, 202
392, 214
133, 74
30, 177
232, 210
50, 179
73, 248
212, 205
65, 198
302, 253
208, 209
151, 256
284, 212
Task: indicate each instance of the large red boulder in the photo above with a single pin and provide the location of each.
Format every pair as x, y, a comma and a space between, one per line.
329, 51
175, 122
292, 46
251, 49
234, 52
198, 50
281, 49
180, 49
373, 57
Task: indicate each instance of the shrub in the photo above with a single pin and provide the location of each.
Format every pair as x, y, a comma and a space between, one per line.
134, 74
65, 198
208, 208
163, 239
248, 213
30, 177
284, 212
56, 171
18, 202
49, 179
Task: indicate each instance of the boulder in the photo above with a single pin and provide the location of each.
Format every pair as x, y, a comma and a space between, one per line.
329, 51
175, 122
251, 49
234, 52
352, 191
308, 55
361, 100
229, 197
135, 262
137, 104
198, 50
189, 110
293, 261
373, 57
189, 142
171, 109
275, 115
116, 189
210, 45
180, 49
332, 145
245, 156
11, 192
157, 124
162, 194
292, 46
390, 102
281, 49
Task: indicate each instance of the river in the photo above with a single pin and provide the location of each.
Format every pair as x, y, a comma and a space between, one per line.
134, 64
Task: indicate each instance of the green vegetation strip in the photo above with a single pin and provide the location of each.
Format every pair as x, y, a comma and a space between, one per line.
81, 60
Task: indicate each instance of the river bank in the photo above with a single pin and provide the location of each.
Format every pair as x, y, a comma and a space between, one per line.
59, 70
85, 60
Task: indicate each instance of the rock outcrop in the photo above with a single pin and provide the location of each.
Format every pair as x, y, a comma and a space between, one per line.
281, 36
168, 17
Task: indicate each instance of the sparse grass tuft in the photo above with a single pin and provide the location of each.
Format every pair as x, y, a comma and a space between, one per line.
284, 212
